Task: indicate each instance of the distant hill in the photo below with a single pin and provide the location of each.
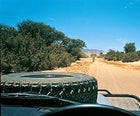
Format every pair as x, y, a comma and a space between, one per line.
95, 51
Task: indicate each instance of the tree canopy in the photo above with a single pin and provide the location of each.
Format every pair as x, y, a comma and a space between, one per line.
36, 46
129, 55
129, 47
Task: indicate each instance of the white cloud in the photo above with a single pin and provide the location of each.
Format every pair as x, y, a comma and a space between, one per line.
121, 40
131, 3
51, 19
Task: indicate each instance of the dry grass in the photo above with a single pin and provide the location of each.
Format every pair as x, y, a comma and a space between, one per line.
132, 65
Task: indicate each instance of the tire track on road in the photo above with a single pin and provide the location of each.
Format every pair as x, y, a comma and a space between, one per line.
115, 79
105, 77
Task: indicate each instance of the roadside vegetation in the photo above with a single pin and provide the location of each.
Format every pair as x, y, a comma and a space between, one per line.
129, 55
35, 46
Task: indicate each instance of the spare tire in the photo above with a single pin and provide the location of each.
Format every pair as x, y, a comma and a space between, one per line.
71, 86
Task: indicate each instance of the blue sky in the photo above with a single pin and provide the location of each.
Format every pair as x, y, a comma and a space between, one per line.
101, 24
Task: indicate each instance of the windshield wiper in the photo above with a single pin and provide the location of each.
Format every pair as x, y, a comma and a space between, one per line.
33, 100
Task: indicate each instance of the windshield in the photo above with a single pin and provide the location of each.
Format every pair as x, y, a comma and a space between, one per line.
98, 38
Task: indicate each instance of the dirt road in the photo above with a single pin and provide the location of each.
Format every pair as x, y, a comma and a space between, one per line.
116, 77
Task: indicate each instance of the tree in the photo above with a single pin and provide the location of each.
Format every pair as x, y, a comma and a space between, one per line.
129, 47
109, 56
36, 46
74, 47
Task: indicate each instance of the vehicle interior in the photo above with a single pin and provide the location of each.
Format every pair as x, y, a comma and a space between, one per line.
31, 102
69, 57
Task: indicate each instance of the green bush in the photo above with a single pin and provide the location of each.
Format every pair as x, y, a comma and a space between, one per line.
130, 57
36, 46
130, 54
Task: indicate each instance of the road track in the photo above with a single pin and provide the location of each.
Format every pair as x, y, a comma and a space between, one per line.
113, 76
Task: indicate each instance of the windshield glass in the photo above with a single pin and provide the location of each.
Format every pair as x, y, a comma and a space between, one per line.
99, 38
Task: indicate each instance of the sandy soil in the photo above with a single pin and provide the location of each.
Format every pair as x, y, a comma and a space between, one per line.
117, 77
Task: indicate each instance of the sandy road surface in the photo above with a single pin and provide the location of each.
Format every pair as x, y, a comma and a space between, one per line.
116, 77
